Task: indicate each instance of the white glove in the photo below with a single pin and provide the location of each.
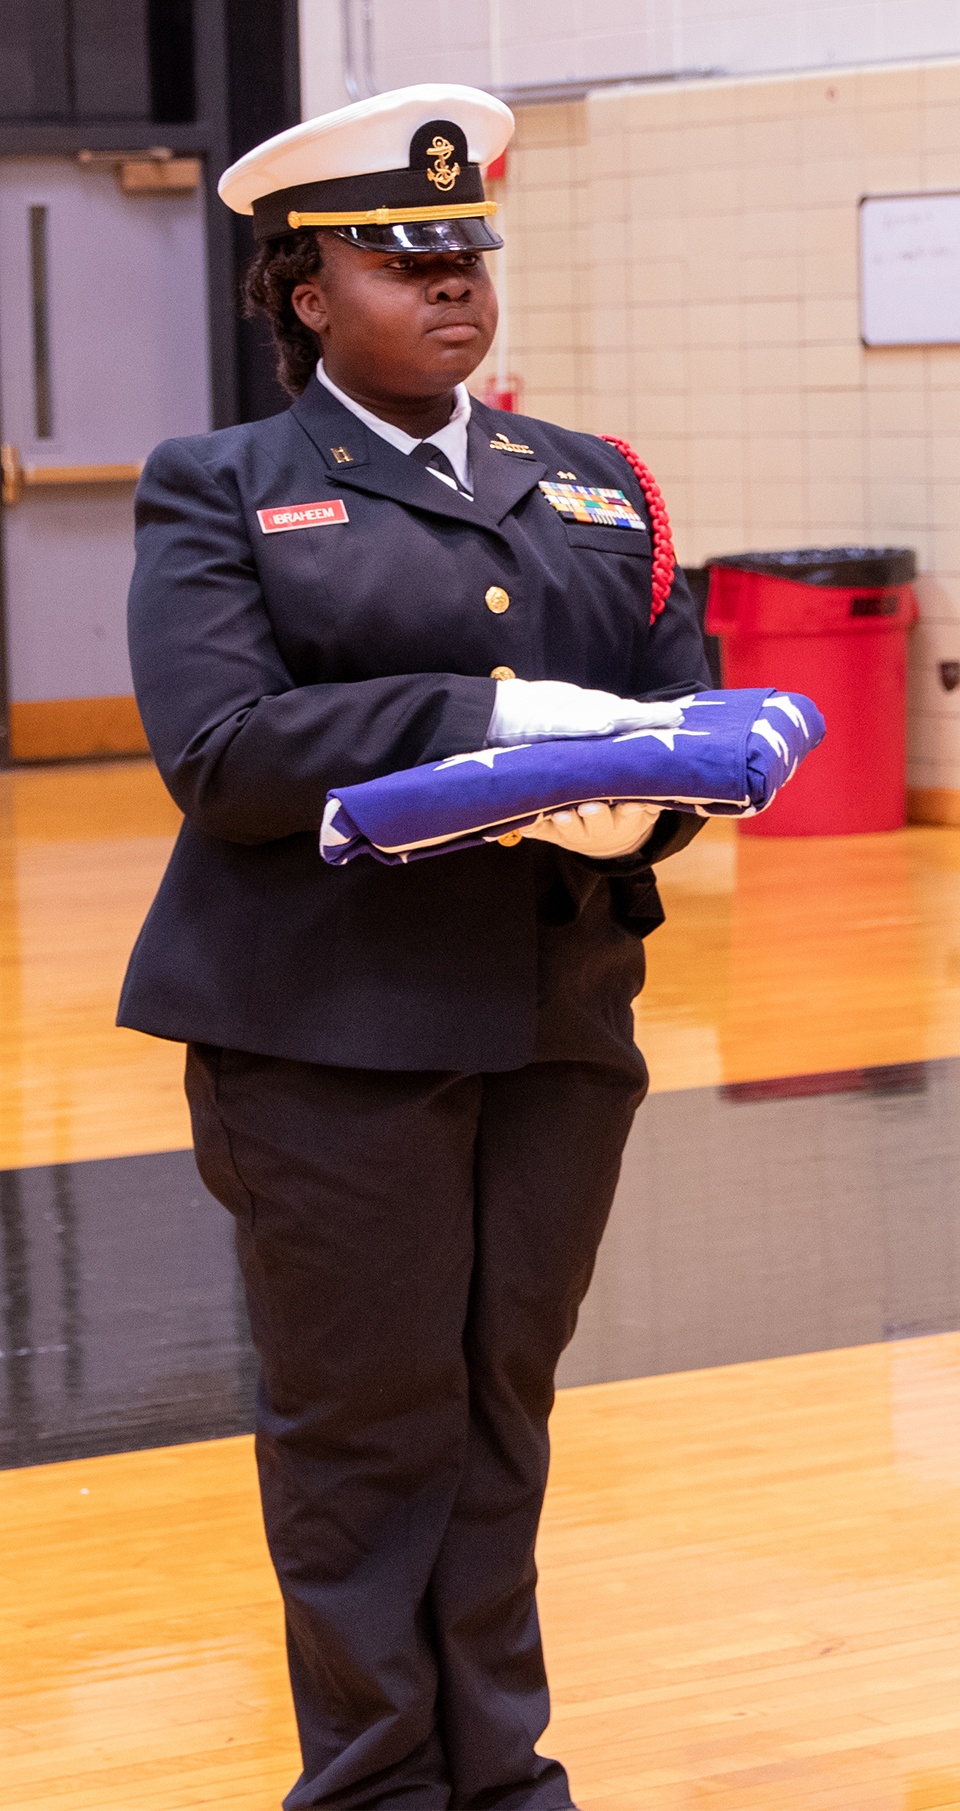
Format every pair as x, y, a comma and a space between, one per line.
603, 831
540, 710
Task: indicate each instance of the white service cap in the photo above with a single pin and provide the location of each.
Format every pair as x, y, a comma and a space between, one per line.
400, 168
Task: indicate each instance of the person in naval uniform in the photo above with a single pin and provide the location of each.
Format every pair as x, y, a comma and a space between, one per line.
410, 1085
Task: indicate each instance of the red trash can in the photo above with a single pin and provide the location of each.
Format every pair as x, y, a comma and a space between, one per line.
831, 622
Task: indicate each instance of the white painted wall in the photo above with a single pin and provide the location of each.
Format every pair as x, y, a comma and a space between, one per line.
498, 43
684, 272
321, 57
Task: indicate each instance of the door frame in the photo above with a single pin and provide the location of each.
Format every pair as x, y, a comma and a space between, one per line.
229, 122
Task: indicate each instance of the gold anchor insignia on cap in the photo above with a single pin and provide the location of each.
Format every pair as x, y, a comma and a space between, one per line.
441, 150
502, 444
341, 455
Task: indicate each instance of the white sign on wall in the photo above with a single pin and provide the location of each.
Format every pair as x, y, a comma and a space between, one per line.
910, 270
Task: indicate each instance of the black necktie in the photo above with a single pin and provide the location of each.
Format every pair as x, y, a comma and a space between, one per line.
434, 456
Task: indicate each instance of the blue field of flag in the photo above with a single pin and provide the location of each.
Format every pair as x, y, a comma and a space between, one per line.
729, 757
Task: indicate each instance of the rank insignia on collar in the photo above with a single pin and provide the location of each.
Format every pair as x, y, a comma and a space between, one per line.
341, 455
591, 503
502, 444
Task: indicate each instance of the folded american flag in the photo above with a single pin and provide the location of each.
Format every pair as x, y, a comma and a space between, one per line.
729, 757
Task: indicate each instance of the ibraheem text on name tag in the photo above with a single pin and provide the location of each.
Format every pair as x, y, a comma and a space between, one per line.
301, 515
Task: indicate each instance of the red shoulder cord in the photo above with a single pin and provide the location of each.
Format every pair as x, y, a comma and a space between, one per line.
664, 558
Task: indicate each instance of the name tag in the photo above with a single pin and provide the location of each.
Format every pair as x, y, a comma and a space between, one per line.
302, 515
591, 503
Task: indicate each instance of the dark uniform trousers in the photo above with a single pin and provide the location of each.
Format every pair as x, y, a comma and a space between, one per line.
415, 1247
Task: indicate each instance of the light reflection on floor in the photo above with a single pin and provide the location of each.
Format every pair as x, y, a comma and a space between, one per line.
787, 956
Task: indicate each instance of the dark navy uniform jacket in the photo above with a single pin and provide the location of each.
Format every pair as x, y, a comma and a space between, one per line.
272, 666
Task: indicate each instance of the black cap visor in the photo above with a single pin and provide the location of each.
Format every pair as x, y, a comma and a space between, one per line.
424, 236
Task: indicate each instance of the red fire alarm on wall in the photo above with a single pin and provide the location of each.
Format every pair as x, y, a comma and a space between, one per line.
502, 393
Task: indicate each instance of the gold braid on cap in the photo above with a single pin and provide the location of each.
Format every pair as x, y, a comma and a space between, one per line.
464, 210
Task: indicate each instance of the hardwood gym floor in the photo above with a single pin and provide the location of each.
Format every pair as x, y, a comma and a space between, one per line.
751, 1575
778, 958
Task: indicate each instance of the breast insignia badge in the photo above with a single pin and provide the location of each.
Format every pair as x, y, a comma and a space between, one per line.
341, 455
503, 444
442, 174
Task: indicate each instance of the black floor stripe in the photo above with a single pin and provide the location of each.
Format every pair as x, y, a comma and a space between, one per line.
123, 1323
886, 1078
751, 1221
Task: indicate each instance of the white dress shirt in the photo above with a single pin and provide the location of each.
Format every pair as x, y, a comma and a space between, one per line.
451, 439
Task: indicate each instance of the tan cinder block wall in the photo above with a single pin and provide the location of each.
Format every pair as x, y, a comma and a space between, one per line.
683, 270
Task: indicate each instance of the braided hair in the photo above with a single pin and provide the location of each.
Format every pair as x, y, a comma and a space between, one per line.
277, 268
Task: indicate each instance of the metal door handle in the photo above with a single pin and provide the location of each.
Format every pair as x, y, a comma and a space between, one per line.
18, 477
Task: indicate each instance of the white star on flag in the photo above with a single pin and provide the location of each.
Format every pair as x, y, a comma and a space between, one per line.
330, 836
666, 736
789, 709
485, 756
773, 736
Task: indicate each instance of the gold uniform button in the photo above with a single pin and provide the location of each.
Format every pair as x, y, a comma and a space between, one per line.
510, 840
503, 673
497, 600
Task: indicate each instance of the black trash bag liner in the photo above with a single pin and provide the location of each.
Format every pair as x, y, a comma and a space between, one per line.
830, 565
